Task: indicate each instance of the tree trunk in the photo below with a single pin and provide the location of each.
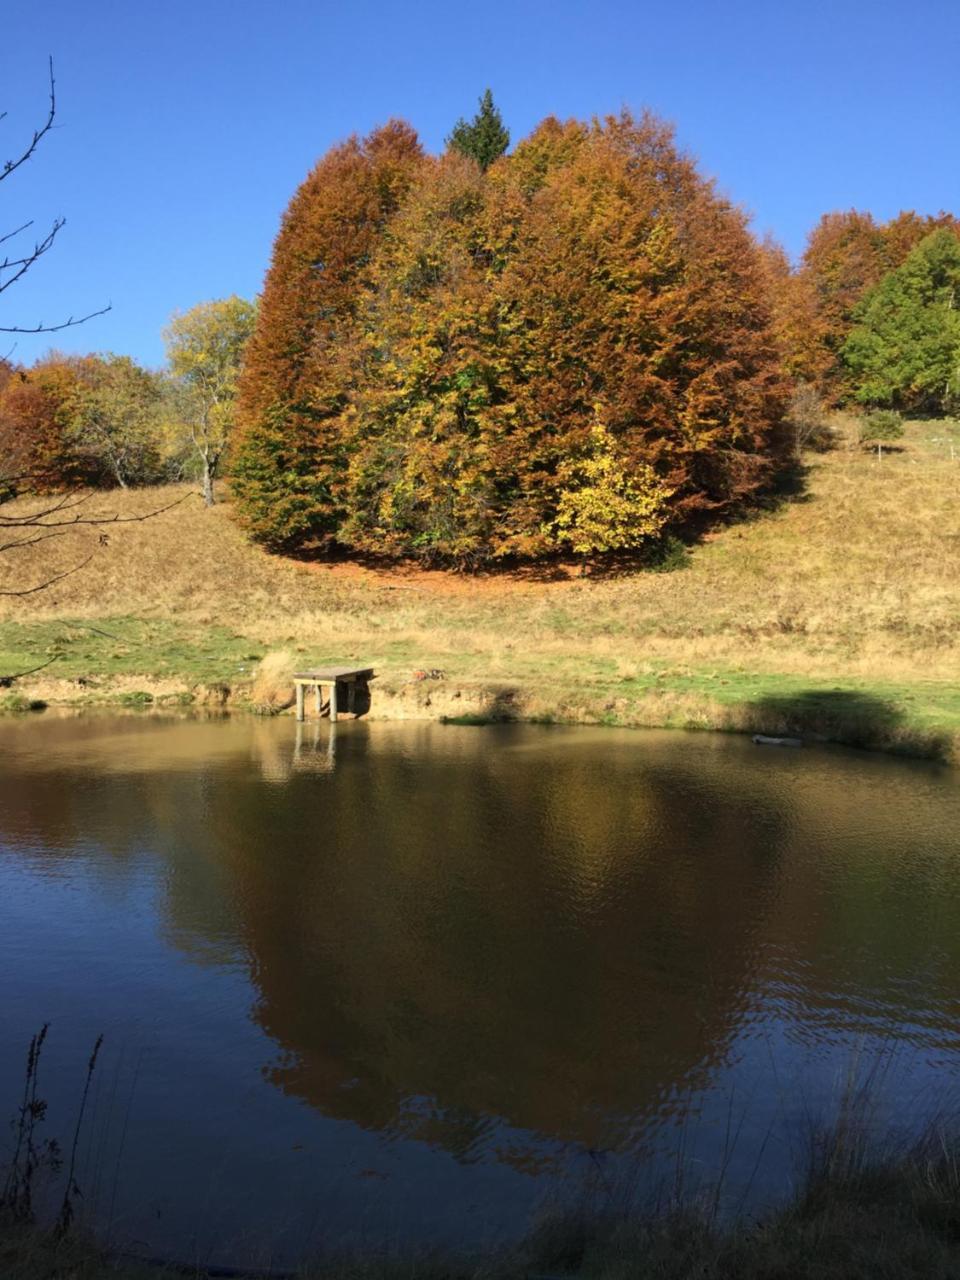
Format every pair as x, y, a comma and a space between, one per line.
207, 483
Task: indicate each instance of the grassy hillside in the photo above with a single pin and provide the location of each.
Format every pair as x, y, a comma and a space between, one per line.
838, 613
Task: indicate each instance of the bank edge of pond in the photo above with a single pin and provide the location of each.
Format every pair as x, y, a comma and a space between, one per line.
855, 1214
907, 721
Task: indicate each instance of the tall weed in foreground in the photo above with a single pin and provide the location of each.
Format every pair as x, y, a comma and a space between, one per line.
71, 1190
32, 1154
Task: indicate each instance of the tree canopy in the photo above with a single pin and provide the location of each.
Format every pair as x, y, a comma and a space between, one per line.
817, 306
445, 357
904, 349
205, 348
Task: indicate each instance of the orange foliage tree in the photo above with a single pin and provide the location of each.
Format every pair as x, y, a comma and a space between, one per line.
297, 366
440, 349
36, 441
798, 325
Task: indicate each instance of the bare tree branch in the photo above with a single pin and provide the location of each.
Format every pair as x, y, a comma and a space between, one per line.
48, 582
49, 524
27, 542
20, 266
42, 520
60, 515
65, 502
17, 230
23, 265
12, 165
7, 681
55, 328
22, 480
85, 626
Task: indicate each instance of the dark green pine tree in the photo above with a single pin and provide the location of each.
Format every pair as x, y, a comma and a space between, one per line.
485, 137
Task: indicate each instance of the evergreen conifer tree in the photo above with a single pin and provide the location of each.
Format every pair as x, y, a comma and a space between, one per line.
485, 137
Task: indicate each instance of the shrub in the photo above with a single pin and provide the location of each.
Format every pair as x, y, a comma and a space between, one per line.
808, 420
608, 507
19, 703
881, 427
669, 555
136, 698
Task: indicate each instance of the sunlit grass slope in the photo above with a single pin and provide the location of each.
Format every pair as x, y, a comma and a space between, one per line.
838, 612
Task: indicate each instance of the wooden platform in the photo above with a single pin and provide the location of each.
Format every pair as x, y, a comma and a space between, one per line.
329, 678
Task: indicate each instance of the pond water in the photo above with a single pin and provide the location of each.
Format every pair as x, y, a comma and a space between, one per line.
406, 986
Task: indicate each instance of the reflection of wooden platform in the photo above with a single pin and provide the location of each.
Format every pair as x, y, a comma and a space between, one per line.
328, 678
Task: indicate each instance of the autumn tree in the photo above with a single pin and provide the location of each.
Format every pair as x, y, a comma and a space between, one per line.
902, 234
427, 375
844, 258
113, 419
630, 285
485, 138
799, 327
205, 348
37, 441
298, 368
69, 421
904, 351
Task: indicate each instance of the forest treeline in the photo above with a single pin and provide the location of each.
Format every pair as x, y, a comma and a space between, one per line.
102, 420
574, 346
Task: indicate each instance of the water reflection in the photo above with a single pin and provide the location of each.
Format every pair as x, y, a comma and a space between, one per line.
491, 945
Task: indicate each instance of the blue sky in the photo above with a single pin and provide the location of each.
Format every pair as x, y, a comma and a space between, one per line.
184, 127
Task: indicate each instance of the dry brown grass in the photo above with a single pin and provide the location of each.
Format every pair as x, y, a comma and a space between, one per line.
272, 685
855, 580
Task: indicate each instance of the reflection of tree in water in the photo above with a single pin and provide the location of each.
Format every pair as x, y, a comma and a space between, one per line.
448, 930
440, 942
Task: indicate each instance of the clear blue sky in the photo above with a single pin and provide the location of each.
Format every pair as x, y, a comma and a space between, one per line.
185, 125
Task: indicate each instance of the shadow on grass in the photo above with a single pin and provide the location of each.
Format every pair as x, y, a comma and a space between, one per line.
787, 485
847, 716
499, 706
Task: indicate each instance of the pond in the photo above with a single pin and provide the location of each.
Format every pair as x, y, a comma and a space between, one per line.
411, 984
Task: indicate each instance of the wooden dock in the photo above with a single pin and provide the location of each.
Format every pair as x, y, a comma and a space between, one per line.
329, 679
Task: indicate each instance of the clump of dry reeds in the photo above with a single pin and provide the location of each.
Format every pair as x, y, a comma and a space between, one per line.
272, 689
